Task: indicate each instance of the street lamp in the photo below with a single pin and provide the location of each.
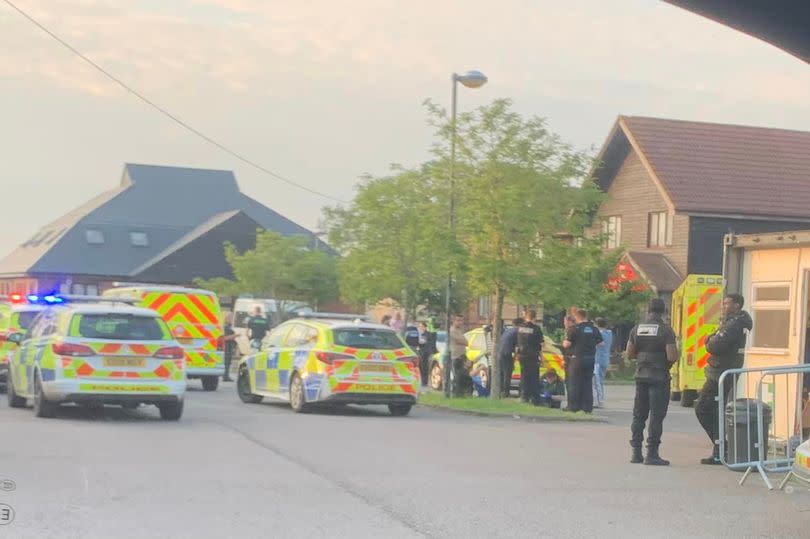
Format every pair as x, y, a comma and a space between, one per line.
471, 79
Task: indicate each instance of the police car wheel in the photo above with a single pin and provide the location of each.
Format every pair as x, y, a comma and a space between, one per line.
297, 397
210, 383
243, 388
42, 406
14, 400
399, 410
171, 411
435, 376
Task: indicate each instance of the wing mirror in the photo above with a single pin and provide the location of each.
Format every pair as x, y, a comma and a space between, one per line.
16, 338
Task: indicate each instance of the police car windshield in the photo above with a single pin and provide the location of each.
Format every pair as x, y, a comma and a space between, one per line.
25, 318
373, 339
120, 327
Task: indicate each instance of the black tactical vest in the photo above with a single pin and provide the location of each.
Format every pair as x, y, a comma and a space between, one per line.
651, 352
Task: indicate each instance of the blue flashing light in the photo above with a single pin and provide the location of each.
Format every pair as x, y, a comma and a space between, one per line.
52, 299
32, 298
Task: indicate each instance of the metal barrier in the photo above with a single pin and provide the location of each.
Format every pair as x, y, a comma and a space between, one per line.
779, 422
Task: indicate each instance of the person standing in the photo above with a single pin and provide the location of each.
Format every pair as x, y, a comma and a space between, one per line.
257, 328
458, 355
426, 347
582, 340
652, 345
229, 345
727, 349
602, 363
506, 355
397, 323
568, 355
529, 347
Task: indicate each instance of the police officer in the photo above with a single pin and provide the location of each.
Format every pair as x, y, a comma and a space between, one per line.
529, 347
727, 349
506, 355
652, 344
581, 339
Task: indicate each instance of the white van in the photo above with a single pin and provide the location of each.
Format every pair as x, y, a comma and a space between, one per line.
243, 309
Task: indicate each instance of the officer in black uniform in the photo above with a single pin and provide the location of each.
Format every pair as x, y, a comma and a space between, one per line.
727, 349
581, 339
652, 344
529, 346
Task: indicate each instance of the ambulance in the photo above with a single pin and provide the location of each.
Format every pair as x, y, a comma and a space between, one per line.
696, 309
195, 321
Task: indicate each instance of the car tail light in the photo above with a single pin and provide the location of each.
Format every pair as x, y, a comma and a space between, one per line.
330, 357
70, 349
170, 352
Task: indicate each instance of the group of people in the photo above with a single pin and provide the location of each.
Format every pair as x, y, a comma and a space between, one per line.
653, 345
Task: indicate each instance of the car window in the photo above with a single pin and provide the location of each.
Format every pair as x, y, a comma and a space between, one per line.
25, 318
276, 337
297, 336
37, 325
120, 327
240, 319
375, 339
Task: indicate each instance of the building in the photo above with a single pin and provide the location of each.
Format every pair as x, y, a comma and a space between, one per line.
159, 225
675, 188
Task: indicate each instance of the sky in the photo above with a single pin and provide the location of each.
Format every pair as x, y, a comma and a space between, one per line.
323, 92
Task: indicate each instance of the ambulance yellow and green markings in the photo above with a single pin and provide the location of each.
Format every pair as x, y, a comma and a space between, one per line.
322, 360
103, 353
194, 318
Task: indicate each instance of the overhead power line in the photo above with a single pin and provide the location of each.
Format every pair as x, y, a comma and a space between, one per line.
164, 111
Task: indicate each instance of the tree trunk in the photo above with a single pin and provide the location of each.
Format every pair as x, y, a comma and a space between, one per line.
497, 327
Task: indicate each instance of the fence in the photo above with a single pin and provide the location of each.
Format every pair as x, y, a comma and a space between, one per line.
761, 418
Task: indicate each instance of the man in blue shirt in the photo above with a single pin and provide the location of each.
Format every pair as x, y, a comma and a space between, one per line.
506, 355
602, 362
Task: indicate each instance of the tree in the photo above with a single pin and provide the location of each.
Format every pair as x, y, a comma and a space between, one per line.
393, 238
283, 268
578, 274
517, 188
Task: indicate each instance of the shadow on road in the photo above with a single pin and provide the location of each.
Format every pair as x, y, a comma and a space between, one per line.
334, 409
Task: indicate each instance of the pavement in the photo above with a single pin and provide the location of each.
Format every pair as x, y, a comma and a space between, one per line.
229, 470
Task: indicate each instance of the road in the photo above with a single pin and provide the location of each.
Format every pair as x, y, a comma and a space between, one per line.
231, 470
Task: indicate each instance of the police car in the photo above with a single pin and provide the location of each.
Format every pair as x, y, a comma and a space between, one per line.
16, 314
88, 350
331, 359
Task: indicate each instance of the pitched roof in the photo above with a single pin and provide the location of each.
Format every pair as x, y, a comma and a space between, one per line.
166, 203
716, 168
656, 269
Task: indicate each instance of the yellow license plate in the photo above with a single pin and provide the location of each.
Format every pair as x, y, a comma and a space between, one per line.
375, 368
124, 362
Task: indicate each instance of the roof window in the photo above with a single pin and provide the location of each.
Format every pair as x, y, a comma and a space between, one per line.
94, 236
138, 239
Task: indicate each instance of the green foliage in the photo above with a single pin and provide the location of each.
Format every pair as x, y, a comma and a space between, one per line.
279, 267
577, 275
394, 238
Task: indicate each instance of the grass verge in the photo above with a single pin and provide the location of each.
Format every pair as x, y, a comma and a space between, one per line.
501, 407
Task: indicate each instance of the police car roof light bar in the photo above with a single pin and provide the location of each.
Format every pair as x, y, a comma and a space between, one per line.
99, 299
333, 316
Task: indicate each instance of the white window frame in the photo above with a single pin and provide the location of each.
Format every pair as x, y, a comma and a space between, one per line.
658, 236
770, 305
612, 231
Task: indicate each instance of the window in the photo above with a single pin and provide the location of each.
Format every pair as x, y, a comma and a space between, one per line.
92, 290
276, 337
121, 327
659, 229
612, 231
94, 236
483, 307
771, 311
78, 289
139, 239
369, 339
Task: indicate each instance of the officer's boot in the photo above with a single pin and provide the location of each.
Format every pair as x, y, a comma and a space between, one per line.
653, 459
637, 457
715, 458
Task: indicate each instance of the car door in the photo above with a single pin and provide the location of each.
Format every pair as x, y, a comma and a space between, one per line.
24, 358
267, 360
284, 362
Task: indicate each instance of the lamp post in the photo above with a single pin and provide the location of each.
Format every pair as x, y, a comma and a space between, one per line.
471, 79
